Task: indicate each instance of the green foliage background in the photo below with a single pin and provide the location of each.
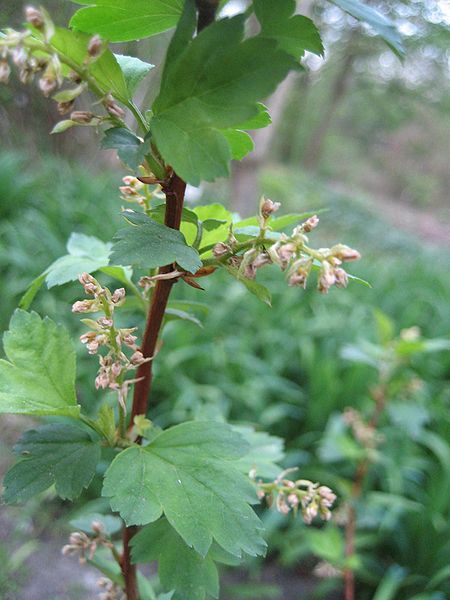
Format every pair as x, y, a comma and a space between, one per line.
281, 368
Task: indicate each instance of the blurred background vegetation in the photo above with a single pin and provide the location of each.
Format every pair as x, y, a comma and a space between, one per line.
357, 133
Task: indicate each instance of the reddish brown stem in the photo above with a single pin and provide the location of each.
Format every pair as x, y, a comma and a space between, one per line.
379, 396
350, 529
174, 197
174, 191
129, 570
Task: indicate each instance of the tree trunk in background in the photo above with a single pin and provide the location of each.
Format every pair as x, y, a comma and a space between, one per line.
244, 188
314, 148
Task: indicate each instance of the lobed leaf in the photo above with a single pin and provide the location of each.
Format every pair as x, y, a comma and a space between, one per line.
105, 69
188, 473
180, 568
266, 451
39, 376
124, 21
85, 253
293, 33
60, 454
130, 149
240, 143
259, 121
83, 522
216, 221
239, 140
134, 70
149, 244
211, 87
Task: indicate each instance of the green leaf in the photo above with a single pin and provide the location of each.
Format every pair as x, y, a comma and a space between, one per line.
104, 69
188, 473
383, 26
124, 21
39, 376
63, 125
255, 288
294, 34
188, 310
84, 521
187, 216
278, 223
200, 309
327, 543
130, 149
60, 454
106, 565
122, 274
391, 583
243, 233
189, 221
265, 452
212, 87
240, 142
384, 325
180, 568
212, 224
34, 287
149, 244
359, 280
106, 423
134, 70
86, 254
174, 313
213, 213
259, 121
186, 28
69, 94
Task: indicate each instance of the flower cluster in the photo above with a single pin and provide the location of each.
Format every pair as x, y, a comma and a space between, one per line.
312, 499
326, 570
136, 192
115, 364
133, 190
32, 52
111, 590
290, 252
365, 433
84, 546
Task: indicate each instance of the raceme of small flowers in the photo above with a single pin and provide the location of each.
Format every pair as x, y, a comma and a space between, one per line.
136, 192
84, 546
312, 499
365, 433
115, 364
291, 253
35, 56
